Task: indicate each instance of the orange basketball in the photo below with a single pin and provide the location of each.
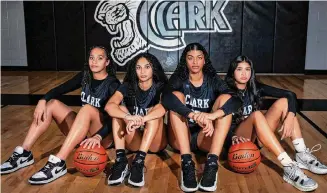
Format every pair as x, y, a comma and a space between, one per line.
90, 162
244, 157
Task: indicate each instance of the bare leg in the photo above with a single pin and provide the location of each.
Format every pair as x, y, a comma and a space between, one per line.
62, 114
214, 144
88, 120
258, 121
277, 113
178, 132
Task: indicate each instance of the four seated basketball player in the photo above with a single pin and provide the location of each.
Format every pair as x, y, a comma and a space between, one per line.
194, 91
137, 117
251, 123
200, 115
98, 82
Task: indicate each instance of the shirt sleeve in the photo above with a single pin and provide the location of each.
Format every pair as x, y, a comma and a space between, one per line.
220, 86
170, 101
123, 89
70, 85
113, 87
106, 128
266, 90
232, 105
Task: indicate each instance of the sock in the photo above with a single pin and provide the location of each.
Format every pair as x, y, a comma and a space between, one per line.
19, 149
284, 159
186, 158
212, 158
299, 145
140, 155
120, 154
54, 159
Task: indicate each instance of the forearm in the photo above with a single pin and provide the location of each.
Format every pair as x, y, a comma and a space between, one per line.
157, 112
114, 111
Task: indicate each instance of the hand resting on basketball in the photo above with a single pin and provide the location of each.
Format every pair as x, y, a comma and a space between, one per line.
239, 139
91, 142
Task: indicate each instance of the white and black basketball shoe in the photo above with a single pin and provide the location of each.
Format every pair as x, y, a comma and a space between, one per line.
118, 171
19, 159
55, 168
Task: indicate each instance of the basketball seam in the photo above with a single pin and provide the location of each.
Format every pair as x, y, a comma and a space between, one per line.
244, 149
91, 151
90, 164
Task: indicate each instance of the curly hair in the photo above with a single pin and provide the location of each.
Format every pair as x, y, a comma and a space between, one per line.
131, 76
88, 75
182, 71
251, 84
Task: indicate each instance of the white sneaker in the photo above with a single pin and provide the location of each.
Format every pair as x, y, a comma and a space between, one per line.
309, 162
55, 168
295, 176
19, 159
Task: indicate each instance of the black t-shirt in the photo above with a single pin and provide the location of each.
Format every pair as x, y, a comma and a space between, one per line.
264, 90
198, 99
141, 103
96, 94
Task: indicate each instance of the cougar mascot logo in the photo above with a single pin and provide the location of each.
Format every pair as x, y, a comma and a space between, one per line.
139, 25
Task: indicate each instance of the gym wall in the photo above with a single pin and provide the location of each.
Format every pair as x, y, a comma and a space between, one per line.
273, 34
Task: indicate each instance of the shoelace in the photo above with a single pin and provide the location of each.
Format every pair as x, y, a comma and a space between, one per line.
118, 167
210, 170
313, 149
138, 165
13, 157
296, 171
48, 166
190, 171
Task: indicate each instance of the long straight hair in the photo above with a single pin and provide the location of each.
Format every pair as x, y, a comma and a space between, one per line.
250, 85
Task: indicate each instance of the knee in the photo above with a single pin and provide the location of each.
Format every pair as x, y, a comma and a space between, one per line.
180, 96
282, 103
257, 115
88, 109
52, 103
221, 100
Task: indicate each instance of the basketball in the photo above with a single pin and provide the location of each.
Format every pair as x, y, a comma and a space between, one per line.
244, 157
90, 162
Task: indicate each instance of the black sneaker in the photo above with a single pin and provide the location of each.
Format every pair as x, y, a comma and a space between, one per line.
188, 181
19, 159
55, 168
209, 179
136, 177
118, 172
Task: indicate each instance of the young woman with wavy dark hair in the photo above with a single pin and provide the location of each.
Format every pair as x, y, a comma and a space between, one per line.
137, 117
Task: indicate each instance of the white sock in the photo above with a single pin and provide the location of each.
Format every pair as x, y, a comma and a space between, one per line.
54, 159
284, 159
299, 145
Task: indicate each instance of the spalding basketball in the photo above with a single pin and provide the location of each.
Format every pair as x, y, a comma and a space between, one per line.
244, 157
90, 162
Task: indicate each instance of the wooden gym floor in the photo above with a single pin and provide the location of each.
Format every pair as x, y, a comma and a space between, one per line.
21, 90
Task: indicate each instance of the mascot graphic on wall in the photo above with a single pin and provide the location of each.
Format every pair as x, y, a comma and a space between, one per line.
138, 25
